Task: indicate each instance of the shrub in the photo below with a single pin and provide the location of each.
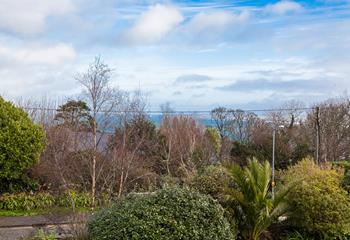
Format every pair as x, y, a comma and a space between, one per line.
304, 236
22, 184
320, 206
212, 181
346, 181
21, 142
171, 213
255, 208
345, 167
41, 200
70, 197
26, 201
297, 236
41, 235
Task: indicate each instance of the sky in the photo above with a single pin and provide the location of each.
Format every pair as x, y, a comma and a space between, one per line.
196, 55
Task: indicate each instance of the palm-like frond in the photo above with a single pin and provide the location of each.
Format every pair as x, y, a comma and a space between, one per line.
251, 192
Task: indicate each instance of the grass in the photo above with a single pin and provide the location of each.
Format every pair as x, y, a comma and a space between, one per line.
36, 212
19, 213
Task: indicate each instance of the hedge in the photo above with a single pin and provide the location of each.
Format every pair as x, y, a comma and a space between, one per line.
171, 213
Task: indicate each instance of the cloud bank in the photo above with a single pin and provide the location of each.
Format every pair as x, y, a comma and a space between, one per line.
152, 25
30, 16
283, 7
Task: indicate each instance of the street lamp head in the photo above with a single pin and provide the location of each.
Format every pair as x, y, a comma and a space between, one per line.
274, 125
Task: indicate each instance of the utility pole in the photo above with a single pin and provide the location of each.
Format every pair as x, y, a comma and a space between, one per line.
273, 162
317, 125
273, 183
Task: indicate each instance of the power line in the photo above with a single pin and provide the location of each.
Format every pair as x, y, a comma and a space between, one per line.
178, 111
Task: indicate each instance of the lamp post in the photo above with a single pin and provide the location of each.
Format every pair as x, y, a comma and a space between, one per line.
273, 162
274, 159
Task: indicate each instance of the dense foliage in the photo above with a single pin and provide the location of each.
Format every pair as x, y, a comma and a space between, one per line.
171, 213
256, 209
21, 142
212, 181
70, 198
320, 206
105, 156
345, 167
285, 154
42, 200
75, 115
41, 235
24, 201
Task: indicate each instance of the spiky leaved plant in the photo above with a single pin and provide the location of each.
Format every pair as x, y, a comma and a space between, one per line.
251, 198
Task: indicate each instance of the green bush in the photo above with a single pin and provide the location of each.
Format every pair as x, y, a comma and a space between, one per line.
304, 236
22, 184
26, 202
320, 206
297, 236
167, 214
41, 235
21, 142
69, 197
212, 181
345, 167
31, 201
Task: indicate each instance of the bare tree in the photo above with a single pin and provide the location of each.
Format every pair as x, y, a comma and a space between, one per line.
241, 125
131, 149
335, 129
294, 110
102, 100
128, 162
182, 136
41, 111
276, 119
222, 119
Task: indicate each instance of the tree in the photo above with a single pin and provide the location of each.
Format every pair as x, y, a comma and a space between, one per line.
21, 141
221, 117
74, 114
292, 144
102, 100
293, 110
233, 125
208, 149
335, 129
42, 111
241, 126
65, 163
256, 209
182, 134
132, 150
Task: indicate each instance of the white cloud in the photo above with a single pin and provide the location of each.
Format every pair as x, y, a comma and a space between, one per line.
29, 16
35, 54
153, 25
210, 21
35, 70
283, 7
214, 27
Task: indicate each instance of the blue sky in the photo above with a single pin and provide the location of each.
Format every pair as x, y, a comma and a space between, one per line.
194, 54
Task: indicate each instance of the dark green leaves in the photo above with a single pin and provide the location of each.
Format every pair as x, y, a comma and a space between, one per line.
21, 141
164, 215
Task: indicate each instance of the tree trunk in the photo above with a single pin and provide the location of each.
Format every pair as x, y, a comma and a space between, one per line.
93, 174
